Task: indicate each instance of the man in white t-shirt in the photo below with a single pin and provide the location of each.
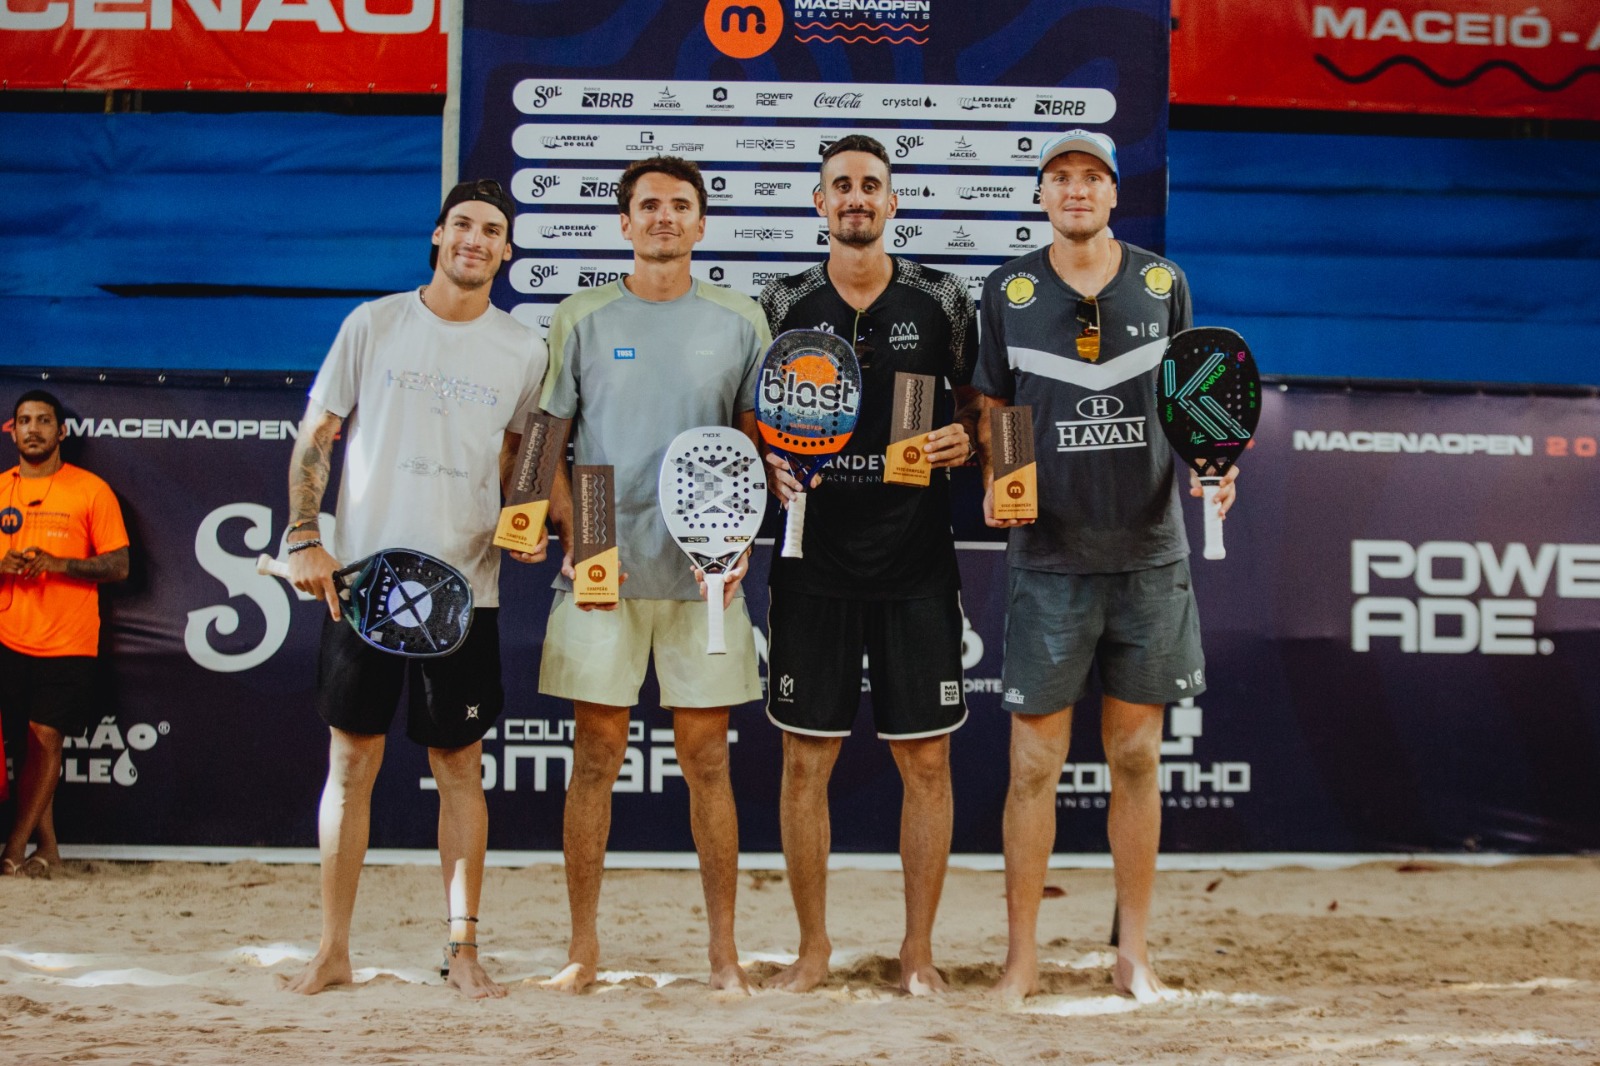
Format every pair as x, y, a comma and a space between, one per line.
430, 388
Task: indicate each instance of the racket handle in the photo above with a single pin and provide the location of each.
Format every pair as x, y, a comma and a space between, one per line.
715, 644
266, 564
794, 528
1208, 489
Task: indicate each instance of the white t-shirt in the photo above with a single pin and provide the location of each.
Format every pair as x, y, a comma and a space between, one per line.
426, 403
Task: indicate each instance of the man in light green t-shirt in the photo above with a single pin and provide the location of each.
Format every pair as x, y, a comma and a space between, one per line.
633, 364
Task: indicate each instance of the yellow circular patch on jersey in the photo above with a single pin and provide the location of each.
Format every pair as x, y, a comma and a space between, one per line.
1019, 290
1158, 279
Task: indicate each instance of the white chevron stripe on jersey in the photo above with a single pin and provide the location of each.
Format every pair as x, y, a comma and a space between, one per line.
1096, 377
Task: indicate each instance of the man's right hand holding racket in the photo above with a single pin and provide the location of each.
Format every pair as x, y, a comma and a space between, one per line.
311, 570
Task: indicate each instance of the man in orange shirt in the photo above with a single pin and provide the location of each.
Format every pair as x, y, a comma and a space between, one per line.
63, 536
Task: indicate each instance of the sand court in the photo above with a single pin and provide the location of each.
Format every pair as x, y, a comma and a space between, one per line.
1403, 961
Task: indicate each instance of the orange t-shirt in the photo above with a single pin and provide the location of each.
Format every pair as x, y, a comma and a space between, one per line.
76, 517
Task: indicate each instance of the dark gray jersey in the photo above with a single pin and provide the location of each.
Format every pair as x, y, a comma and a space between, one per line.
1108, 498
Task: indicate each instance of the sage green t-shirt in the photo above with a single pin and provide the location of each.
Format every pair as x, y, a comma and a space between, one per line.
632, 374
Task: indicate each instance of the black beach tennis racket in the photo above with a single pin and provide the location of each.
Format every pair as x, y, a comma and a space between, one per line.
1209, 403
713, 492
400, 601
807, 401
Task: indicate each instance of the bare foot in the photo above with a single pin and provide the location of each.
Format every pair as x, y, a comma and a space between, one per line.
802, 975
1018, 982
468, 977
323, 971
730, 978
921, 980
1138, 980
576, 977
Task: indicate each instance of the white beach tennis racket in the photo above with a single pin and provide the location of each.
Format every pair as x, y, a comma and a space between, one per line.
713, 492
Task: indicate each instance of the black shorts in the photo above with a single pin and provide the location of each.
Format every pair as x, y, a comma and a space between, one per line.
54, 690
913, 663
452, 700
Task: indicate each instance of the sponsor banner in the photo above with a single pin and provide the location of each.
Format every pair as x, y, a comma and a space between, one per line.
768, 189
333, 46
562, 277
710, 145
546, 281
1461, 57
541, 100
966, 104
786, 235
1399, 652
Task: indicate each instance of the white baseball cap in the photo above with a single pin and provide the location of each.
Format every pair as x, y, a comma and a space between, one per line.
1098, 145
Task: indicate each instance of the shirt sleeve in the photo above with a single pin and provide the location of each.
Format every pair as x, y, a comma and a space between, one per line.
761, 340
963, 335
107, 532
560, 396
993, 375
532, 383
338, 383
1182, 311
770, 306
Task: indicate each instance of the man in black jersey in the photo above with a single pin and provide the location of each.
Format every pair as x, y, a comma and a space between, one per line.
879, 572
1076, 331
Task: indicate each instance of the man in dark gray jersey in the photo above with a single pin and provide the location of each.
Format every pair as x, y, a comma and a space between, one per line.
1076, 331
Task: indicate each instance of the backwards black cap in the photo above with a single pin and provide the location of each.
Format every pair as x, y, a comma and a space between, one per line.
486, 190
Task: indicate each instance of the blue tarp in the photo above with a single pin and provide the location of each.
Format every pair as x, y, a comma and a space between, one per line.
1442, 259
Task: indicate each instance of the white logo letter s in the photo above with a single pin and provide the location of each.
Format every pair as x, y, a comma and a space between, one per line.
238, 575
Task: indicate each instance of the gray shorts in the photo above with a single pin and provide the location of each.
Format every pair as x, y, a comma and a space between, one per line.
1141, 627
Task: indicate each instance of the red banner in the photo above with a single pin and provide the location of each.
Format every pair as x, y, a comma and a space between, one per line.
335, 46
1456, 57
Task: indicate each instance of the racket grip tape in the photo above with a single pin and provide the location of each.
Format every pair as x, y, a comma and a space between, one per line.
1214, 548
794, 528
715, 643
266, 564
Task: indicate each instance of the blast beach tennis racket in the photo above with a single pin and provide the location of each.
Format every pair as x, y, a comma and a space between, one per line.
713, 492
807, 401
1209, 403
400, 601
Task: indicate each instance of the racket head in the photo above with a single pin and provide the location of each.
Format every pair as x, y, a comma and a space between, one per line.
808, 394
1208, 397
713, 492
407, 602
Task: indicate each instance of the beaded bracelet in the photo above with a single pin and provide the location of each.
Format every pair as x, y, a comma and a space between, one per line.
302, 545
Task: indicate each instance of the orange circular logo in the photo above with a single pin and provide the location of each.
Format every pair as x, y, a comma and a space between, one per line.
519, 522
597, 573
911, 455
1014, 490
744, 29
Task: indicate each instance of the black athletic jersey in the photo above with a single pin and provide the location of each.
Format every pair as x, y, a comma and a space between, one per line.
1108, 497
865, 539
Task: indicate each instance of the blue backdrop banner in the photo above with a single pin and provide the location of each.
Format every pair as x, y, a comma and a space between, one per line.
1400, 652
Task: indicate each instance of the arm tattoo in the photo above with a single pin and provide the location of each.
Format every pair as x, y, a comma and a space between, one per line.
308, 466
110, 566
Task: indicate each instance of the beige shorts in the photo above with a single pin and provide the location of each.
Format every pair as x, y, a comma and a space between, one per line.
600, 656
